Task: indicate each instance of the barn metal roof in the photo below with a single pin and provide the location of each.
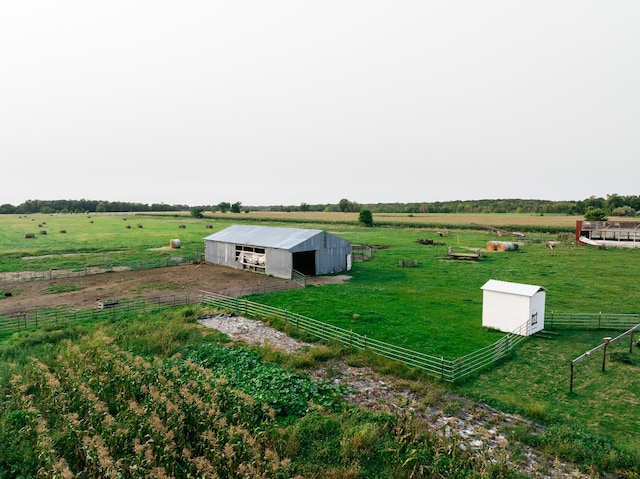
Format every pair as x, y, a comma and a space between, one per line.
263, 236
512, 288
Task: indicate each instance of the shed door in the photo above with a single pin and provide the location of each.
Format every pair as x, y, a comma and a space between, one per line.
305, 262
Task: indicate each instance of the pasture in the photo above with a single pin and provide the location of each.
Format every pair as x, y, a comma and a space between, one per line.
434, 307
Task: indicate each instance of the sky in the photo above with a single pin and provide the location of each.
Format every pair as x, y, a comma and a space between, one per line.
291, 102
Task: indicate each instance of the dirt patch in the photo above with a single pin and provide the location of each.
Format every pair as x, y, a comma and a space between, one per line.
84, 291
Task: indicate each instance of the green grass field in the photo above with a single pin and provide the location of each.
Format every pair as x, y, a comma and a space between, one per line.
434, 307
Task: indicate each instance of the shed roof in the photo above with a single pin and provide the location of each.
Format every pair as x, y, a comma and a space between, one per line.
264, 236
512, 288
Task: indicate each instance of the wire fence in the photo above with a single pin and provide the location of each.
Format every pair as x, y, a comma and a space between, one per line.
87, 270
232, 300
104, 309
590, 320
58, 316
435, 366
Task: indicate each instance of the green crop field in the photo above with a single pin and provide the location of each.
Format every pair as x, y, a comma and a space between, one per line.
434, 307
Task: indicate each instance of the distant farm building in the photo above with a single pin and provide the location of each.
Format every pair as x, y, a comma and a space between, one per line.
616, 234
278, 251
513, 307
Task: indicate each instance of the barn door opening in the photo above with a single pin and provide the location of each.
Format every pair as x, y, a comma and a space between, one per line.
305, 262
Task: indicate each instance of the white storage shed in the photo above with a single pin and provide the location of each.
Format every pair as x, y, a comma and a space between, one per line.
513, 307
278, 251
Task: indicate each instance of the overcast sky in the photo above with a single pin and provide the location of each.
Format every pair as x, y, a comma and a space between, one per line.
289, 102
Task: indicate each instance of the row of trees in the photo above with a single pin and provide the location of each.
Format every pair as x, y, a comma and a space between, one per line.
613, 205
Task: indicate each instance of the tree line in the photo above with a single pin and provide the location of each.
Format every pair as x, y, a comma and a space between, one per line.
613, 205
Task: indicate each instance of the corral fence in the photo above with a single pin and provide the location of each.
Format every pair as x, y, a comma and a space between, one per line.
590, 320
232, 300
435, 366
361, 252
56, 316
87, 270
113, 307
607, 341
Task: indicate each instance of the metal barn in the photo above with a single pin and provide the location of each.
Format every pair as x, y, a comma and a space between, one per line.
278, 251
513, 307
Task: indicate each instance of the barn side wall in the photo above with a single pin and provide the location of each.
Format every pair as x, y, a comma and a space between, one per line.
503, 311
537, 306
279, 263
223, 254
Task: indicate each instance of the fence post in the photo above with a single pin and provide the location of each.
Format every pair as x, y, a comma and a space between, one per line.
571, 377
604, 351
599, 320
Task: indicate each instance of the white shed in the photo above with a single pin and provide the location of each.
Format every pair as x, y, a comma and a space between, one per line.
513, 307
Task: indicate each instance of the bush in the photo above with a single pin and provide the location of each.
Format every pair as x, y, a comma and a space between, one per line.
366, 217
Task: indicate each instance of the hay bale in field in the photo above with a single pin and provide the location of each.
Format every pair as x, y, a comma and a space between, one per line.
182, 226
43, 232
174, 244
506, 246
209, 227
139, 225
128, 227
63, 231
492, 245
29, 235
39, 225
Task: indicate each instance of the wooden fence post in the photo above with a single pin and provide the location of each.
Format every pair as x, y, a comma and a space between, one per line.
604, 351
571, 378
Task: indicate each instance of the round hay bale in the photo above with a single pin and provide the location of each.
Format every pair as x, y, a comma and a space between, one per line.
139, 225
492, 245
182, 226
29, 235
209, 227
43, 232
174, 244
63, 231
506, 246
128, 227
